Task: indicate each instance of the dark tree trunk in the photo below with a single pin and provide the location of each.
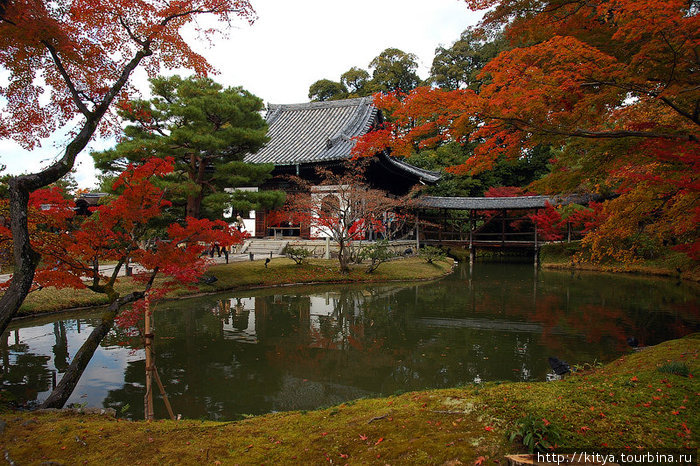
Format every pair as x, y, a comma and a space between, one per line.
194, 205
197, 172
26, 259
65, 387
343, 259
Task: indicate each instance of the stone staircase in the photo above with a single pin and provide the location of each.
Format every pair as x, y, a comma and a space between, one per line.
264, 247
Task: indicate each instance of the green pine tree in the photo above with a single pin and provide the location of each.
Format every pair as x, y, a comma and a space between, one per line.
207, 129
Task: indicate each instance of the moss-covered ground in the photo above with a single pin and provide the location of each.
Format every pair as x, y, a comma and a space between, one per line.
242, 275
669, 263
627, 404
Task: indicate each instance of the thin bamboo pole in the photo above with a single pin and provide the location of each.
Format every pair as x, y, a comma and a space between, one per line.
148, 338
163, 394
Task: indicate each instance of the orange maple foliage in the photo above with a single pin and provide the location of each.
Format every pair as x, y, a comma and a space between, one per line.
611, 85
77, 50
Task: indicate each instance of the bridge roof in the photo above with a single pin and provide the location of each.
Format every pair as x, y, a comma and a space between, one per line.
496, 203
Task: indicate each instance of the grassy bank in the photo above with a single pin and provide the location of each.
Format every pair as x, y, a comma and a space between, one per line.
669, 264
242, 275
630, 403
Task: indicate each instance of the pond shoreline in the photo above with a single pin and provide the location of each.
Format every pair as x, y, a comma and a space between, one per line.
560, 256
670, 264
629, 270
440, 271
439, 426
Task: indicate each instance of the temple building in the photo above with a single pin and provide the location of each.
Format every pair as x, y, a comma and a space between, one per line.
306, 136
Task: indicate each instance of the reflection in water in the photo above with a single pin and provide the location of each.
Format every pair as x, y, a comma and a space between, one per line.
281, 349
26, 374
60, 349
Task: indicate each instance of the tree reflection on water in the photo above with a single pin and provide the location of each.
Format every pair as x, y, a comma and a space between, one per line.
300, 348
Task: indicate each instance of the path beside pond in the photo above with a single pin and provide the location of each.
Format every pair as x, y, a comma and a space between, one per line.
109, 268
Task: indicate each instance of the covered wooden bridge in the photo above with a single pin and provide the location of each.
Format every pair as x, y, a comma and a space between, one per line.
501, 223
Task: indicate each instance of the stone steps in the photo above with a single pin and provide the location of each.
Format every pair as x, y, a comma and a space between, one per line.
264, 247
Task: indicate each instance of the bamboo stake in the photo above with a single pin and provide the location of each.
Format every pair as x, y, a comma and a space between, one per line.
148, 398
163, 394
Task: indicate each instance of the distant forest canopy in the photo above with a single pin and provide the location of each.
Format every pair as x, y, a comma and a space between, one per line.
393, 71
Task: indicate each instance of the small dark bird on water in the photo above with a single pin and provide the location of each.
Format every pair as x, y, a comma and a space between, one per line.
633, 342
558, 366
267, 261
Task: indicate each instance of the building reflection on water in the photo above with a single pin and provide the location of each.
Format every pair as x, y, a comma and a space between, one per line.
326, 320
301, 348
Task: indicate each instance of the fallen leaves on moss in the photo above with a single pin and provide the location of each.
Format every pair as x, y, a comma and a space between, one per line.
602, 407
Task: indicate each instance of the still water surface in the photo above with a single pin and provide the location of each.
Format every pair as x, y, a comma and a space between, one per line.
222, 356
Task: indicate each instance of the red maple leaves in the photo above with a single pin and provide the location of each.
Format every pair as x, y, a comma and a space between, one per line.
121, 231
80, 49
611, 85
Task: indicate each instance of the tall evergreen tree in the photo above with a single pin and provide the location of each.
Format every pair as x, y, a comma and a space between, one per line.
208, 129
325, 89
394, 70
356, 81
459, 66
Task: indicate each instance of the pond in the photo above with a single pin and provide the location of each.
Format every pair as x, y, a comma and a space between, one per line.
287, 348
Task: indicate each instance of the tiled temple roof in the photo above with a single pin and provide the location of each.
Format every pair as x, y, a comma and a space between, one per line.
317, 132
420, 173
314, 132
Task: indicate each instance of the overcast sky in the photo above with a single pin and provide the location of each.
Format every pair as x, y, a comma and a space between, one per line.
293, 44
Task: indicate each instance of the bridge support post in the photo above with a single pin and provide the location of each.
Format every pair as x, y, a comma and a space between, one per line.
537, 249
417, 236
471, 238
503, 228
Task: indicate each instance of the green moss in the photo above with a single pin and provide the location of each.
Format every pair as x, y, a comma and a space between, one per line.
559, 252
627, 403
457, 253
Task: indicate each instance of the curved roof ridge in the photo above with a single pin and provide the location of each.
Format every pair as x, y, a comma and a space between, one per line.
421, 173
494, 203
324, 104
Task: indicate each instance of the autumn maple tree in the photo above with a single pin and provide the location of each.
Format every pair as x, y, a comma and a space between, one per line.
67, 62
610, 85
121, 231
344, 208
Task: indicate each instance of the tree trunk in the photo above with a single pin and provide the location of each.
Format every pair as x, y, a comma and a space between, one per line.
342, 258
196, 174
65, 387
26, 259
194, 205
